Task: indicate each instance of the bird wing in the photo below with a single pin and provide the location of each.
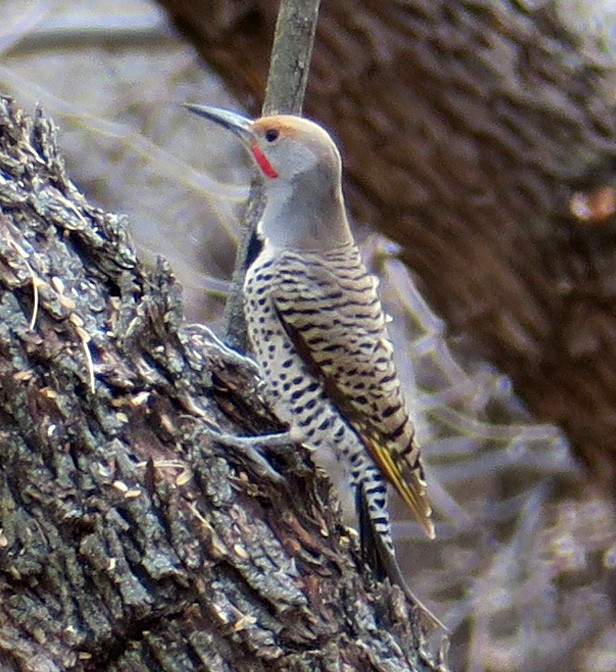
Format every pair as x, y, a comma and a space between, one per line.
334, 318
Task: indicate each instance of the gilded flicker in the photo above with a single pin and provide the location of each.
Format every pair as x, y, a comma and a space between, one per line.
316, 324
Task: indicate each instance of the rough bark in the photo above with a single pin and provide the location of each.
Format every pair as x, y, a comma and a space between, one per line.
128, 539
479, 134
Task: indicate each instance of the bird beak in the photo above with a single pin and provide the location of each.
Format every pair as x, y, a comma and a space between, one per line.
241, 126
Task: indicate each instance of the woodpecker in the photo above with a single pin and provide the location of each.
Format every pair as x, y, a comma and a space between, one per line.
317, 327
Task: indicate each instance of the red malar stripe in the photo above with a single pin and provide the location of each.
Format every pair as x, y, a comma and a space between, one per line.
263, 162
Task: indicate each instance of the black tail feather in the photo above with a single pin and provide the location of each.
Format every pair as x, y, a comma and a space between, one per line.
381, 559
368, 537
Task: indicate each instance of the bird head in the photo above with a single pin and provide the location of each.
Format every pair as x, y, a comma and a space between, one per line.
302, 170
283, 146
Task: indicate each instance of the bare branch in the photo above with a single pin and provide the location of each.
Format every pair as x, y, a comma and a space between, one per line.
286, 86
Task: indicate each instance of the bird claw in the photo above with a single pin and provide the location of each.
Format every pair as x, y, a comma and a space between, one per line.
251, 447
219, 352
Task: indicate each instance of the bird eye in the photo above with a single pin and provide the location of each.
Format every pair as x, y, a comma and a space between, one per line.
271, 134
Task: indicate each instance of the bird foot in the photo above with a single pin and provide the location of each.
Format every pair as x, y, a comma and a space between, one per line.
217, 351
250, 447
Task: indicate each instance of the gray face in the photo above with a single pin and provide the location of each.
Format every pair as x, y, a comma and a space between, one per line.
302, 169
293, 146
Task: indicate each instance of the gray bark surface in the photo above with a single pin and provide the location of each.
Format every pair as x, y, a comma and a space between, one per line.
129, 540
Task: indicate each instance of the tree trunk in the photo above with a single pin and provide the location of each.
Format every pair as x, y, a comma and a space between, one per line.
129, 540
480, 136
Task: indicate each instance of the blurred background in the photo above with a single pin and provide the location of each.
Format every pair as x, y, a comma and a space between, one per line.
478, 140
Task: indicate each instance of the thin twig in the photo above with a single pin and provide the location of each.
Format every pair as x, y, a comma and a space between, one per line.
291, 53
286, 86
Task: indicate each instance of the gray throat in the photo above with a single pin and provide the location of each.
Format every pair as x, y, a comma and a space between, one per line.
299, 217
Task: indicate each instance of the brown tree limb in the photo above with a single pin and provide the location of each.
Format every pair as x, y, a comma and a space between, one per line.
480, 136
128, 539
291, 54
286, 87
